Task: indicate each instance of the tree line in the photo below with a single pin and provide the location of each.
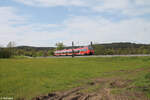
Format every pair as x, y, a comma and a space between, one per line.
100, 49
11, 50
7, 52
121, 49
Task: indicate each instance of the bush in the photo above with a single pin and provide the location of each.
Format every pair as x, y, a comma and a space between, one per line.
147, 76
5, 53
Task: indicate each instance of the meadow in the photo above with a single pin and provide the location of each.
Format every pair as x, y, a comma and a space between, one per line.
25, 78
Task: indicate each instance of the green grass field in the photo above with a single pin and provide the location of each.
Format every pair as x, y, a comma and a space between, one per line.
27, 78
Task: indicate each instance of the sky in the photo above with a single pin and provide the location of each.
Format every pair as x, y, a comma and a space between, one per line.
47, 22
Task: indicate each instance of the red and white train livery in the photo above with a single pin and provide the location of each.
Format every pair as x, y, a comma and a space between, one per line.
88, 50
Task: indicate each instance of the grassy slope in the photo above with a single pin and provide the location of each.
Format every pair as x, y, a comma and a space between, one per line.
26, 78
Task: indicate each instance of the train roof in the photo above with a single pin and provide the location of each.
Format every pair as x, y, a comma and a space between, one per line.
74, 48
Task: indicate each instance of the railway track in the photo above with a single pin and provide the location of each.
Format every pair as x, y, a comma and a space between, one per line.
94, 56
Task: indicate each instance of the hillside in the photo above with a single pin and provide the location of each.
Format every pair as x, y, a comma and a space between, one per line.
122, 48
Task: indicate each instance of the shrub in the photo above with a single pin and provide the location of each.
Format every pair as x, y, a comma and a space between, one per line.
5, 53
147, 76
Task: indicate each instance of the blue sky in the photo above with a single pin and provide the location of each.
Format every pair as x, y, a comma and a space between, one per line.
46, 22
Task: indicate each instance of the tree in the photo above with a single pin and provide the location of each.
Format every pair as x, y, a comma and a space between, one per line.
60, 46
20, 52
40, 53
99, 49
50, 52
5, 53
11, 44
45, 53
33, 53
110, 51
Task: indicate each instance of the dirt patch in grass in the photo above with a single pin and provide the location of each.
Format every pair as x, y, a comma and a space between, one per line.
99, 89
103, 93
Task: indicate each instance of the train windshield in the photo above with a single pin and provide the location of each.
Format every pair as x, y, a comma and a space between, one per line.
90, 48
83, 50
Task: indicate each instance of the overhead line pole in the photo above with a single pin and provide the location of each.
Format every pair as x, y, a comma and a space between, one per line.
72, 49
91, 43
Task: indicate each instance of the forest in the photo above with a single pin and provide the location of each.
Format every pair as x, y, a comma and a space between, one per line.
122, 48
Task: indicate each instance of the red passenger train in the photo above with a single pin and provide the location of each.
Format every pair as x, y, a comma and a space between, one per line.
88, 50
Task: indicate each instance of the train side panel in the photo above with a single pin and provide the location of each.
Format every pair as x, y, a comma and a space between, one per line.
77, 51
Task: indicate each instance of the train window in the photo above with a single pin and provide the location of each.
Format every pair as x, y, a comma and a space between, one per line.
90, 48
83, 50
76, 51
70, 51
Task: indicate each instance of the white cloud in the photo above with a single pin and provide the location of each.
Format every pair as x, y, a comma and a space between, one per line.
17, 28
136, 12
51, 3
142, 2
102, 30
125, 7
77, 28
8, 17
110, 5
